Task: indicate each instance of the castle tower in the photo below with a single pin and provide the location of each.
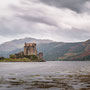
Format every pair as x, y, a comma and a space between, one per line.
30, 49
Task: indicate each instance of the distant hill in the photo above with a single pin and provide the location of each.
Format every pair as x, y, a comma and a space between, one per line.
52, 50
18, 44
80, 51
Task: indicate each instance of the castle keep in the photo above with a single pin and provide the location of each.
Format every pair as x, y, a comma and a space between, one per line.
30, 49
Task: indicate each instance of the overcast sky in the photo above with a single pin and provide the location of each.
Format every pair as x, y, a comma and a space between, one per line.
58, 20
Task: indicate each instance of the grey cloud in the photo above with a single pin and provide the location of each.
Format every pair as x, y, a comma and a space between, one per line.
43, 19
9, 27
75, 5
25, 20
17, 27
33, 15
74, 34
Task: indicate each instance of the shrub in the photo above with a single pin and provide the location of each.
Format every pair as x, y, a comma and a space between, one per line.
12, 56
1, 58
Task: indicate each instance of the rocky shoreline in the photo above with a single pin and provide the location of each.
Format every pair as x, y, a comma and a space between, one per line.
39, 82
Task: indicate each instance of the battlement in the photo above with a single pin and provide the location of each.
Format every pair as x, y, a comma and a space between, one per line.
30, 44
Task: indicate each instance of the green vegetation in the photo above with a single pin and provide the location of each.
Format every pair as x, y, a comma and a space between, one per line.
30, 58
12, 56
85, 58
15, 60
20, 60
1, 58
67, 55
33, 57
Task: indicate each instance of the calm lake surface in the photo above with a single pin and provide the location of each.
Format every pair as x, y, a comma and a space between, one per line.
51, 75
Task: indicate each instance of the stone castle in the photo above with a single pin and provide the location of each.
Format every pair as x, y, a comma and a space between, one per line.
30, 49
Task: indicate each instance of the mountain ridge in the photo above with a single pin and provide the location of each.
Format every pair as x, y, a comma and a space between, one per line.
18, 43
52, 50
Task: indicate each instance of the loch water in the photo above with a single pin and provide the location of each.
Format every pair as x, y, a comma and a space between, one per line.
50, 75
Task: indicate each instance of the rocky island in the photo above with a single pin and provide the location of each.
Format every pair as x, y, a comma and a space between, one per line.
29, 54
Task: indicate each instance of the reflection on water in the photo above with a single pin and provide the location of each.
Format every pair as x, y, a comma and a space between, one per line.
45, 76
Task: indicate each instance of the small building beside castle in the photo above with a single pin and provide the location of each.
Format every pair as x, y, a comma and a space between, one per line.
30, 51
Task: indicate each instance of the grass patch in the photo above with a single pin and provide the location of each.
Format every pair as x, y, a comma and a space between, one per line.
21, 60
